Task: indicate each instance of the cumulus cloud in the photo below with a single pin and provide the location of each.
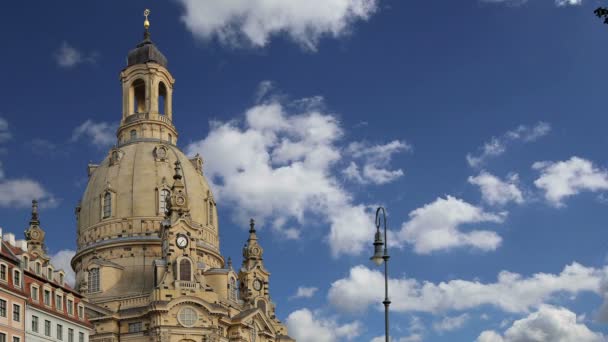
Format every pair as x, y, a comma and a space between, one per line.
101, 133
5, 134
451, 323
68, 56
437, 226
62, 261
307, 326
375, 159
495, 191
19, 193
279, 165
254, 22
511, 292
305, 292
498, 145
563, 179
549, 323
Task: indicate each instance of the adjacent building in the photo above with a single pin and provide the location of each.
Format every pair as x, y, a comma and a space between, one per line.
36, 303
148, 258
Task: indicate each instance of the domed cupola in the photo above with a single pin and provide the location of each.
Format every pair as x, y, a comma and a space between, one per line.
146, 51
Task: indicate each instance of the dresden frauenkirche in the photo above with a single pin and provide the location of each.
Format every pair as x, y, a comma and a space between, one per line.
148, 257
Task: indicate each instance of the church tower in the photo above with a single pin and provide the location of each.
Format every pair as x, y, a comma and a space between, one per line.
148, 257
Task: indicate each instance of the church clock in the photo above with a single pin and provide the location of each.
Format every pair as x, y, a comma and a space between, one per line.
181, 241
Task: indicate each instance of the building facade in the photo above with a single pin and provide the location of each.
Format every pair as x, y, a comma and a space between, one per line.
12, 294
53, 310
148, 258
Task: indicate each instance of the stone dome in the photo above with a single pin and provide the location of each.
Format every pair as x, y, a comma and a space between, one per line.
135, 175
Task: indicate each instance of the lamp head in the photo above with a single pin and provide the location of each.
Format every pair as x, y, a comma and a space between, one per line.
378, 257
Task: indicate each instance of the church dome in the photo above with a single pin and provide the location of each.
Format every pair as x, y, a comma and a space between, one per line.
133, 178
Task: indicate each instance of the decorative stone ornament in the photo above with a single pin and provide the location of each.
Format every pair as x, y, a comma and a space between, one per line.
160, 153
115, 156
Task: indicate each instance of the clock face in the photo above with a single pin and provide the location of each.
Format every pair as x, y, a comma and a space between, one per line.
181, 241
257, 285
180, 200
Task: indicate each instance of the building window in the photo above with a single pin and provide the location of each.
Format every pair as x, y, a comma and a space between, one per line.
94, 280
210, 213
185, 273
26, 262
170, 139
70, 305
3, 272
2, 337
107, 205
16, 313
232, 289
17, 278
34, 292
80, 337
135, 327
49, 273
80, 312
59, 332
47, 297
59, 302
38, 268
162, 201
47, 327
133, 134
70, 335
61, 279
138, 91
35, 324
16, 339
2, 308
187, 317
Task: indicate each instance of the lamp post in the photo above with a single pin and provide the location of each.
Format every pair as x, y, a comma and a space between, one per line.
381, 256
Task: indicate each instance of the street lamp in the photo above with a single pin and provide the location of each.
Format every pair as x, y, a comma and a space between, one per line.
381, 256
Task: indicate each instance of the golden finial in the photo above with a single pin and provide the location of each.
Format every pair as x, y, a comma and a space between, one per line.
146, 22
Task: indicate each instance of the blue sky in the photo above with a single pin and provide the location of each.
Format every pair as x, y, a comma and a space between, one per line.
480, 125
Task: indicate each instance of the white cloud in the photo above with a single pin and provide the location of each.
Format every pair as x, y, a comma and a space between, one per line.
410, 338
68, 56
498, 146
19, 193
511, 292
101, 133
436, 226
567, 178
495, 191
558, 3
254, 22
375, 159
561, 3
451, 323
279, 165
307, 326
62, 261
549, 323
5, 134
305, 292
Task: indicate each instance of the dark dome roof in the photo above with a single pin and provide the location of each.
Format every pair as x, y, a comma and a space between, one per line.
146, 52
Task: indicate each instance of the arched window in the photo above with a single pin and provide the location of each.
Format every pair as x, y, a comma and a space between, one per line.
94, 280
162, 99
107, 205
211, 213
185, 270
133, 134
138, 89
170, 139
262, 305
162, 201
232, 289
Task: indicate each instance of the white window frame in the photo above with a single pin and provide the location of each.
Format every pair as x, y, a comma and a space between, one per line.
34, 288
98, 280
15, 272
5, 280
13, 312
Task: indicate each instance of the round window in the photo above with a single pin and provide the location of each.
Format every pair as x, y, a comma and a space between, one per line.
187, 317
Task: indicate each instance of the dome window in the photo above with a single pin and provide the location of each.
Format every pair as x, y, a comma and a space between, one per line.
93, 280
133, 134
107, 205
163, 198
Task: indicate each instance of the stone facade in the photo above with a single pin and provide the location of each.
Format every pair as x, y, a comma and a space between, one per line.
148, 257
